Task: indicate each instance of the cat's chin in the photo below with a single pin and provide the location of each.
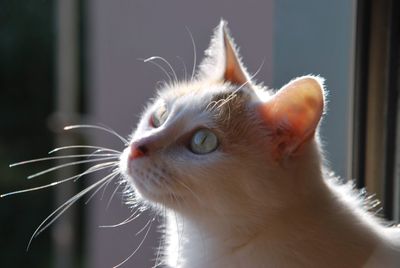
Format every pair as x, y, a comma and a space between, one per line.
147, 191
149, 187
154, 197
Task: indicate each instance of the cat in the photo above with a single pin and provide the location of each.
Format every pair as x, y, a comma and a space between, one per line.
239, 171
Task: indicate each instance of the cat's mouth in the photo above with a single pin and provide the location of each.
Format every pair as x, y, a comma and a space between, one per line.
147, 178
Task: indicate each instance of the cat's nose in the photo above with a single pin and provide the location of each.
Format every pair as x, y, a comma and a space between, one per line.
137, 151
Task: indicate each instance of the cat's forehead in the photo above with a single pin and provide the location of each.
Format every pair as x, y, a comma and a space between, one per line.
195, 94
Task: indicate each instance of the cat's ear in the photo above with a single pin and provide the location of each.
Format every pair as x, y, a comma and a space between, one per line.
222, 61
293, 114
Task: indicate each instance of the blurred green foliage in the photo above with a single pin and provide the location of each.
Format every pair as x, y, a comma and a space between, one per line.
27, 76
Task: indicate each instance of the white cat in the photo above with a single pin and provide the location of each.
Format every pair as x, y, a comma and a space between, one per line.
240, 171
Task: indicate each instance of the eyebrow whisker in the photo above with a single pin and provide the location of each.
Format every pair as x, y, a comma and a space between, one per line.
194, 53
165, 61
125, 141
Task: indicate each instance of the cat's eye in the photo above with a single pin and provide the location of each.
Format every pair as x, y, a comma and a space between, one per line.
159, 117
204, 141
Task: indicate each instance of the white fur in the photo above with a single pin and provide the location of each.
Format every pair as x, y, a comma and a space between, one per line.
237, 206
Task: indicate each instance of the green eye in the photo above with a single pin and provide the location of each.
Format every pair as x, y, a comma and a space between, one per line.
159, 116
203, 142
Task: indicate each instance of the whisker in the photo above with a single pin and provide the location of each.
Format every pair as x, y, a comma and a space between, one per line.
233, 94
184, 67
159, 66
165, 61
112, 196
95, 153
101, 186
158, 262
140, 244
251, 77
83, 146
190, 190
104, 190
144, 227
90, 170
132, 217
74, 199
98, 166
59, 157
125, 141
61, 209
69, 164
194, 53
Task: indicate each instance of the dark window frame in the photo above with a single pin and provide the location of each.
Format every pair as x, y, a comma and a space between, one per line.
376, 85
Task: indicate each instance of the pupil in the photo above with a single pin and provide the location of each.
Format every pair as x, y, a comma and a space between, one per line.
204, 137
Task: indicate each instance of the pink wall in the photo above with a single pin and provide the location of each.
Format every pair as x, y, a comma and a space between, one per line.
119, 33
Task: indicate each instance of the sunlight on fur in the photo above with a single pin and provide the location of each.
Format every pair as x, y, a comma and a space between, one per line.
238, 173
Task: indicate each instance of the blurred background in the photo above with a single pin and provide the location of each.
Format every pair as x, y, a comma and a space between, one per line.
76, 62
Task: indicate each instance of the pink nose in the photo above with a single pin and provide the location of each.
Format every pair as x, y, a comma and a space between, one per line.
137, 151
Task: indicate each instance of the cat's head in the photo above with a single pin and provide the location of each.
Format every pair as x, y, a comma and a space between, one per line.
220, 144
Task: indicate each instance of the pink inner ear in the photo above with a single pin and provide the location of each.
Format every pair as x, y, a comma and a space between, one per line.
294, 112
234, 72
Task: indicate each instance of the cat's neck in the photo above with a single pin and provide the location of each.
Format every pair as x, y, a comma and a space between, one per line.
329, 245
312, 222
316, 232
